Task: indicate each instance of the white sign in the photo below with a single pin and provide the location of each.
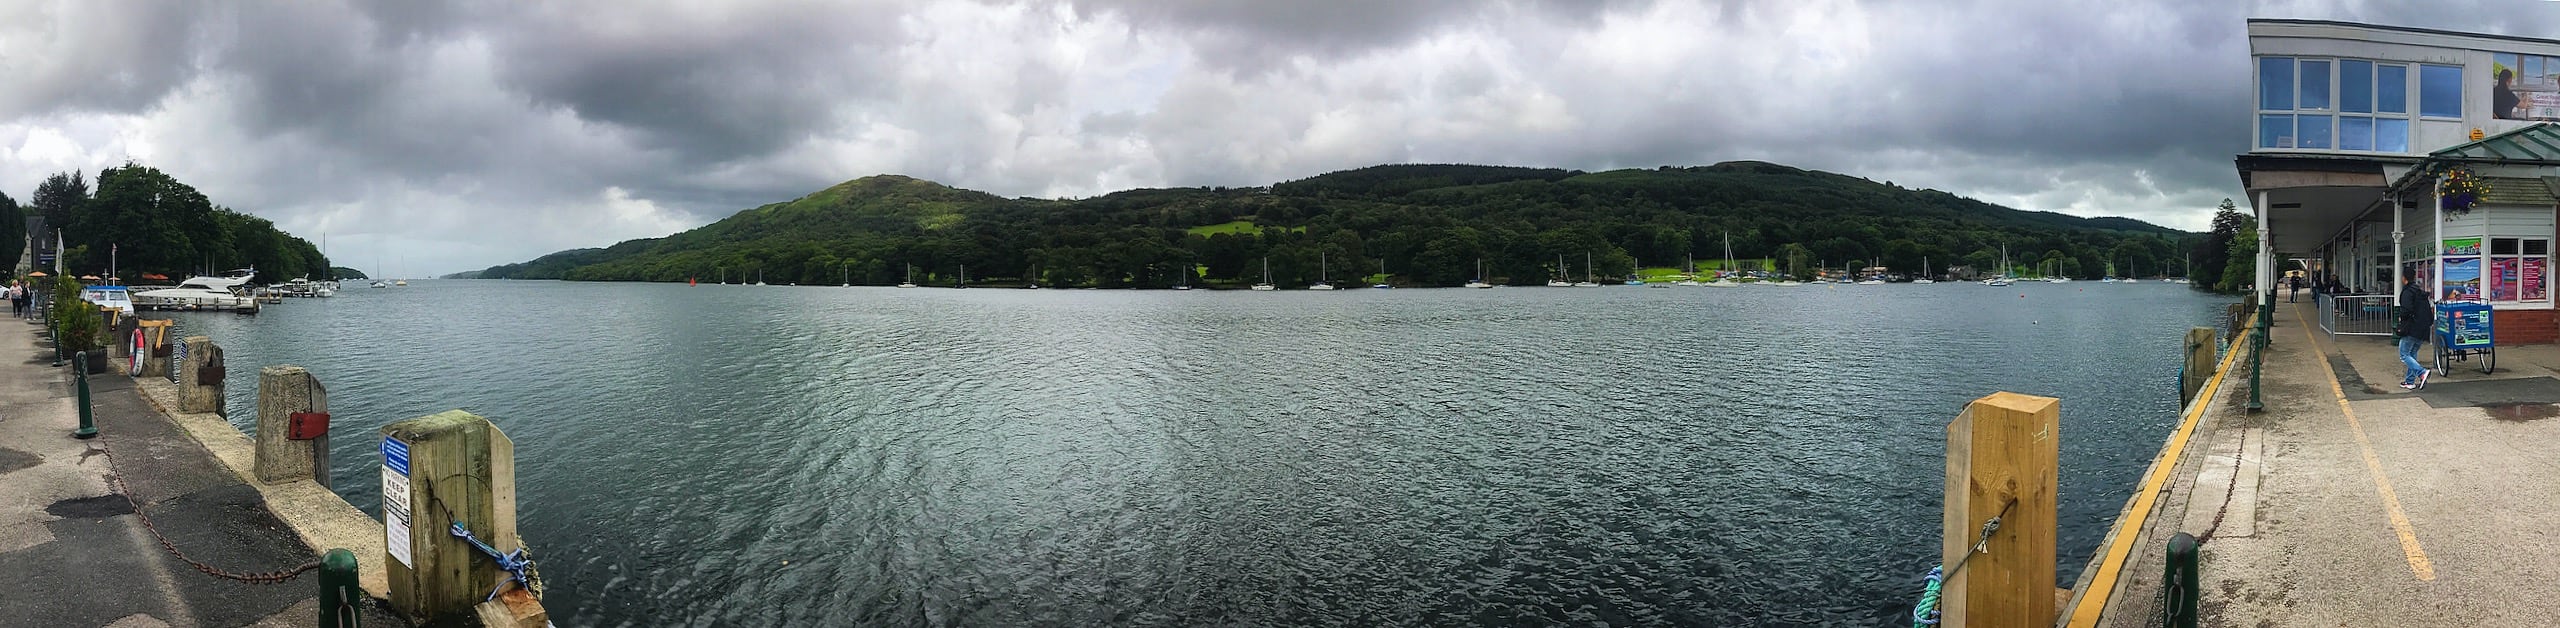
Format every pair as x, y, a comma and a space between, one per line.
395, 514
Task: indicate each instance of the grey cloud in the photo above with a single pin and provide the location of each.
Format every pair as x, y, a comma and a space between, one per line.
118, 55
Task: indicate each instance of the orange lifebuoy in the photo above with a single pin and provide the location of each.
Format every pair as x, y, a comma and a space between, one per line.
141, 350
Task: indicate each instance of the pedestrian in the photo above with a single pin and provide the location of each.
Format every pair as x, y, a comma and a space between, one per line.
2293, 288
2417, 316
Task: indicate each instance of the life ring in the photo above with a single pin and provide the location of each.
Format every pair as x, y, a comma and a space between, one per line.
141, 350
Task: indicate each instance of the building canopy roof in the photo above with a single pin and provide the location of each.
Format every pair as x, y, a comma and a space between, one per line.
2532, 145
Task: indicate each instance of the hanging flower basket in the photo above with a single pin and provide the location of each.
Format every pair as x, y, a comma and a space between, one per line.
2461, 190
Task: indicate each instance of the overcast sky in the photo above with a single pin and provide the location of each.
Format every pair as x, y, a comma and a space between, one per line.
441, 137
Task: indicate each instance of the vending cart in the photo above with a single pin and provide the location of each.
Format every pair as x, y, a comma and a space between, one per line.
2462, 333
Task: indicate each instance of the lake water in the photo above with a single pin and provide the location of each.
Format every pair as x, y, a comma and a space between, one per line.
730, 455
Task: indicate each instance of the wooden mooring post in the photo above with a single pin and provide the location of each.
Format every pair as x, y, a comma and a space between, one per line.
293, 426
439, 470
2199, 363
200, 379
2003, 452
155, 334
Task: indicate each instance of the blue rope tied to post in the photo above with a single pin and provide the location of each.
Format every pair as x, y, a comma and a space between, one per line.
1926, 614
514, 563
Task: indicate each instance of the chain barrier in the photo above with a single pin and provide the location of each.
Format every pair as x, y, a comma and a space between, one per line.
116, 479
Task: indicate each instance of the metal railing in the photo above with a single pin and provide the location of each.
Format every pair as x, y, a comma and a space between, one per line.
2356, 314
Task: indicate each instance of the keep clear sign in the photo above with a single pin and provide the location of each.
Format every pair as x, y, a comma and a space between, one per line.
395, 499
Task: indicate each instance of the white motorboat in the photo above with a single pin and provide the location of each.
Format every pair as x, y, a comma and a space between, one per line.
200, 293
109, 298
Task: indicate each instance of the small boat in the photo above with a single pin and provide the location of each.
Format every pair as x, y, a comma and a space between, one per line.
1266, 285
1559, 281
1589, 280
2001, 279
1479, 280
911, 277
112, 298
1924, 272
1324, 273
1724, 279
1382, 277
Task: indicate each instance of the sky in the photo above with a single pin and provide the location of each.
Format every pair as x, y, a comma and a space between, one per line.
425, 138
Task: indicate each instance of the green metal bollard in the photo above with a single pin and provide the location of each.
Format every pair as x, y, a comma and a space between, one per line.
341, 603
2179, 590
80, 378
56, 335
2257, 353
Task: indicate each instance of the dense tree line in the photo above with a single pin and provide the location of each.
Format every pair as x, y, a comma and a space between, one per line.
1423, 224
142, 220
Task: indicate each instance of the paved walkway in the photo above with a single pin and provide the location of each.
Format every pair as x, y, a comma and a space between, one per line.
73, 553
2352, 502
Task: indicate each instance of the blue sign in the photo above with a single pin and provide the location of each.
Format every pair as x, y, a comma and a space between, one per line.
395, 455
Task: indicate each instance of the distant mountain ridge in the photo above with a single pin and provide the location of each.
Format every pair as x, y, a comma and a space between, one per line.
1426, 222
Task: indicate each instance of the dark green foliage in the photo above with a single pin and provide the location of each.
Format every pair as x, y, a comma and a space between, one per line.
13, 230
1427, 223
59, 196
342, 272
142, 220
78, 323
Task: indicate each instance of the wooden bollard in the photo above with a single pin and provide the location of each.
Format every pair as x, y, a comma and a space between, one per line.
200, 379
438, 469
2002, 461
284, 391
2199, 363
155, 333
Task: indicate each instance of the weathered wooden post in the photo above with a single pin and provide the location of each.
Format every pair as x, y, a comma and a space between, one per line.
200, 379
439, 470
293, 426
155, 334
2002, 464
2199, 365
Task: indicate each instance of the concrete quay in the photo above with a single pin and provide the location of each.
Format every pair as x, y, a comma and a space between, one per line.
74, 552
2349, 501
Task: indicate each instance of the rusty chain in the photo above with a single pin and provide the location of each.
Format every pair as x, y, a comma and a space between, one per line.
117, 480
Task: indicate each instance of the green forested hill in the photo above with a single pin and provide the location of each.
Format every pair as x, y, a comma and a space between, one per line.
1427, 223
141, 220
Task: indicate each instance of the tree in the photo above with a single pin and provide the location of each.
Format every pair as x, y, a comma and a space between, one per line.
13, 230
2241, 269
2212, 253
59, 196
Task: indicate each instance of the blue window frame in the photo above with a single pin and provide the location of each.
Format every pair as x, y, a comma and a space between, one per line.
2440, 91
2355, 86
2275, 131
2391, 135
2314, 78
2275, 83
2391, 89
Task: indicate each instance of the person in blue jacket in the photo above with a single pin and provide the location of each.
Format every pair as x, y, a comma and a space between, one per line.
2417, 316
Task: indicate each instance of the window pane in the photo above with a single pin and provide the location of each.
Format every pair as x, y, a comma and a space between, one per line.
2537, 247
2391, 89
2502, 279
2276, 131
2355, 133
2355, 86
2440, 91
2391, 135
2314, 132
2315, 85
2275, 83
2502, 246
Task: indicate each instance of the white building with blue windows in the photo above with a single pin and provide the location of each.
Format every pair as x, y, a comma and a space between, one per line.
2365, 142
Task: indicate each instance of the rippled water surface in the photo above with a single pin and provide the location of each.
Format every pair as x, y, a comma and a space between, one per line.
1407, 457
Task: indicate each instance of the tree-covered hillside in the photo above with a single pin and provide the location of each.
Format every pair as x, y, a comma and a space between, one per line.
1427, 224
142, 220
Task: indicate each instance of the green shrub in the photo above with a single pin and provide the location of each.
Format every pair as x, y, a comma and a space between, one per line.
79, 325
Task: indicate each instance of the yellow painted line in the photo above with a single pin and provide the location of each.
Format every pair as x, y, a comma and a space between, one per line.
2418, 563
2103, 584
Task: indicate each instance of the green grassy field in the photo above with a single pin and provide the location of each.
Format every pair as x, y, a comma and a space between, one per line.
1245, 227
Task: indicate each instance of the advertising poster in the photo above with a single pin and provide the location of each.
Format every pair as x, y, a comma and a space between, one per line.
2530, 279
2524, 87
2461, 279
2502, 279
2462, 246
